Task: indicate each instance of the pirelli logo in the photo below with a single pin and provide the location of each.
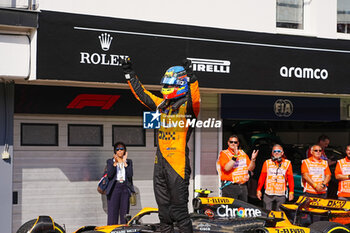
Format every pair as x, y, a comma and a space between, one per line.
216, 200
210, 65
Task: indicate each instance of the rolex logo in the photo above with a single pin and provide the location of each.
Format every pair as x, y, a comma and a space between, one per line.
104, 58
105, 41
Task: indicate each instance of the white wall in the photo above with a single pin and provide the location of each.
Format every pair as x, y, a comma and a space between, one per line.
232, 14
320, 17
206, 173
14, 56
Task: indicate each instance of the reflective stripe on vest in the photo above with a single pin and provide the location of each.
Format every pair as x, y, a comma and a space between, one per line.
344, 185
316, 173
240, 168
276, 177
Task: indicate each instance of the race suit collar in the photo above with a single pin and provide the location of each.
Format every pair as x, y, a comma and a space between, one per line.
175, 104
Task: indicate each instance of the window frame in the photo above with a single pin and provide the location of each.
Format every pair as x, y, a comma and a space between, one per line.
130, 126
90, 145
302, 27
40, 124
346, 25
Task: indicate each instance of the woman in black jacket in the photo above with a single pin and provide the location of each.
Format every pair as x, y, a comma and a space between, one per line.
120, 186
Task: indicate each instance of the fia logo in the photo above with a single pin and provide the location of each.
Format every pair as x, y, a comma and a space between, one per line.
283, 108
105, 41
151, 120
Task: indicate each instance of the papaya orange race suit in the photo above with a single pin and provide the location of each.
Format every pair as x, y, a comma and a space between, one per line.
172, 166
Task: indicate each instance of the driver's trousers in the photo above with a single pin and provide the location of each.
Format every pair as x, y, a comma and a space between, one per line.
171, 192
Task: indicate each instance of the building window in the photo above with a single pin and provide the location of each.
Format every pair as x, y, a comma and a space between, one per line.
343, 16
39, 134
289, 14
85, 135
130, 135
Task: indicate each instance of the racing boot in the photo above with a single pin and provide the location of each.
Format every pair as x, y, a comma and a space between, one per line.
185, 226
166, 228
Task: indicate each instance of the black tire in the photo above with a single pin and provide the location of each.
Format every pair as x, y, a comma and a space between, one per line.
28, 225
329, 227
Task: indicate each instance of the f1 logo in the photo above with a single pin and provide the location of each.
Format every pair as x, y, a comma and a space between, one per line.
151, 120
93, 100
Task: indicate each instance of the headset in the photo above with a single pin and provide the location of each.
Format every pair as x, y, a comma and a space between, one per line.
278, 160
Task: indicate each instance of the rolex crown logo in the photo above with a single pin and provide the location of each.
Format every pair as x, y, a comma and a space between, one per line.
105, 41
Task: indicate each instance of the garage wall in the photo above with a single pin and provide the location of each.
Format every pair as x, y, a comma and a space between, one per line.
61, 181
210, 140
6, 165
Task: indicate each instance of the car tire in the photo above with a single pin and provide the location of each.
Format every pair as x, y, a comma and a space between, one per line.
28, 225
329, 227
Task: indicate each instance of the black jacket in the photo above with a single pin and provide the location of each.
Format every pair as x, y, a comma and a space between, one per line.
111, 173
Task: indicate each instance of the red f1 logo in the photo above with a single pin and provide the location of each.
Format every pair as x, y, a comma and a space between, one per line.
93, 100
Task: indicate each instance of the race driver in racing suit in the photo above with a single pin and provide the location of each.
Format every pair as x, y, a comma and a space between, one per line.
180, 102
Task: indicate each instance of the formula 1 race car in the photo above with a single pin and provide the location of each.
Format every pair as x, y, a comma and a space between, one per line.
222, 214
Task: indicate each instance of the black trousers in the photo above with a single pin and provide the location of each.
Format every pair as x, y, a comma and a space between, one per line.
236, 191
315, 218
270, 199
117, 204
171, 192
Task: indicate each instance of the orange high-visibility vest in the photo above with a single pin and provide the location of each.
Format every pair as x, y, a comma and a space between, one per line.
276, 177
316, 170
344, 185
239, 173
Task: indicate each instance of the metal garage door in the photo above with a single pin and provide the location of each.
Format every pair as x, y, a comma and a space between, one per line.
60, 178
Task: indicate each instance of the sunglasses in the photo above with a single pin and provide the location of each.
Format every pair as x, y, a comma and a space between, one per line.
118, 149
318, 150
235, 142
277, 151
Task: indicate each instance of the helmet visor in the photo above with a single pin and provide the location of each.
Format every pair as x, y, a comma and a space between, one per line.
169, 80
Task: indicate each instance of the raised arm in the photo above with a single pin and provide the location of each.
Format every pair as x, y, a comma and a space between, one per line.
145, 97
194, 95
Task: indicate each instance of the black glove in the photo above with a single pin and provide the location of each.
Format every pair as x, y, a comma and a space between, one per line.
187, 64
127, 67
